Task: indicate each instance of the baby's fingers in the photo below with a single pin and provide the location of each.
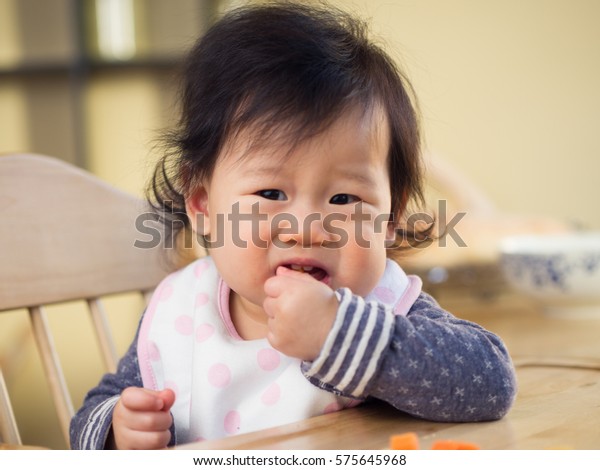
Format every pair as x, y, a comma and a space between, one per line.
142, 399
274, 286
155, 421
168, 397
145, 440
283, 271
284, 279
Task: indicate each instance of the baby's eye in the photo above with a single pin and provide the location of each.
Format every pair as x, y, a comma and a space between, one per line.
344, 199
272, 194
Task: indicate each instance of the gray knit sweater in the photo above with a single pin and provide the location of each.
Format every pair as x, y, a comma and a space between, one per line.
428, 364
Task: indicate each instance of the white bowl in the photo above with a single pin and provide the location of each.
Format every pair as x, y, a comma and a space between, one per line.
562, 271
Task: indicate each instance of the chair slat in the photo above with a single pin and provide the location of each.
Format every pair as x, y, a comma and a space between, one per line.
89, 240
104, 335
53, 369
9, 433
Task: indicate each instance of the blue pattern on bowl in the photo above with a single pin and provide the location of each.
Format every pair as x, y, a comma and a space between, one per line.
549, 270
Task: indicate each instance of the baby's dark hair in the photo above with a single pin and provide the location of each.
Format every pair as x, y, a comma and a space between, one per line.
283, 69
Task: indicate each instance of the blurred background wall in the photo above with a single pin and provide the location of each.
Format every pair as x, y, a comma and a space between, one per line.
508, 92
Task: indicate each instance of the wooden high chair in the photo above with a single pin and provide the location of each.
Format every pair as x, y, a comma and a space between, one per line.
66, 235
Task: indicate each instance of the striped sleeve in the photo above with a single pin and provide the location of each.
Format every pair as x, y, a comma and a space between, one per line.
353, 349
95, 431
92, 423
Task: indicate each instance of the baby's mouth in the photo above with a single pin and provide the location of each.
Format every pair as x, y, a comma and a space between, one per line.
317, 273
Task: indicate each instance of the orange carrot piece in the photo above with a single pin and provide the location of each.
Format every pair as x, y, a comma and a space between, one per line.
406, 441
454, 445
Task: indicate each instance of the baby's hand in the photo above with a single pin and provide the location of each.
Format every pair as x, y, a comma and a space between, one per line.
301, 312
141, 419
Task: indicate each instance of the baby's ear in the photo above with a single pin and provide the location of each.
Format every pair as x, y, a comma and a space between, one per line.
196, 207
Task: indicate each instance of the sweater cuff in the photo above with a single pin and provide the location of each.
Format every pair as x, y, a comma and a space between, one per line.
353, 349
96, 429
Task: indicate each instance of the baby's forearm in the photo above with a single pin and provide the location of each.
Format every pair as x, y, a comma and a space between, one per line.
354, 347
91, 425
429, 364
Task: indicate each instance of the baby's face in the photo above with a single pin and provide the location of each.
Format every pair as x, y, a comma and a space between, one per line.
323, 209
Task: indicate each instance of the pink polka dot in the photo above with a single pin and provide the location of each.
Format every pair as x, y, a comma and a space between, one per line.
200, 439
268, 359
202, 299
271, 395
204, 331
332, 408
200, 268
219, 375
165, 292
232, 422
384, 294
184, 324
153, 351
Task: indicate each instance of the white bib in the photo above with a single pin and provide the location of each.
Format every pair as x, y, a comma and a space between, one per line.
225, 385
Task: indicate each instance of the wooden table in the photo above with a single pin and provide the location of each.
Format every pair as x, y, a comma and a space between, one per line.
558, 404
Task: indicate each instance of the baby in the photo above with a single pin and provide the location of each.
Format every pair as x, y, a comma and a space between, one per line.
297, 154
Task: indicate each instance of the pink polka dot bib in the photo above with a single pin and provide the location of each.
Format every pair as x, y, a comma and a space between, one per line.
224, 385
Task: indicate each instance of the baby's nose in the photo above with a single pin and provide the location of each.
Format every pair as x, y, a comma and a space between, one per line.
300, 229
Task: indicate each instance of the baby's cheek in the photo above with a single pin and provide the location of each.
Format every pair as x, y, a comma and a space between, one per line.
363, 270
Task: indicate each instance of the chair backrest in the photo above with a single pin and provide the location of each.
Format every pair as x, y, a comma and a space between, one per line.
66, 235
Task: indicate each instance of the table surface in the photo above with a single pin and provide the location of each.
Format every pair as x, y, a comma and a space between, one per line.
557, 406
